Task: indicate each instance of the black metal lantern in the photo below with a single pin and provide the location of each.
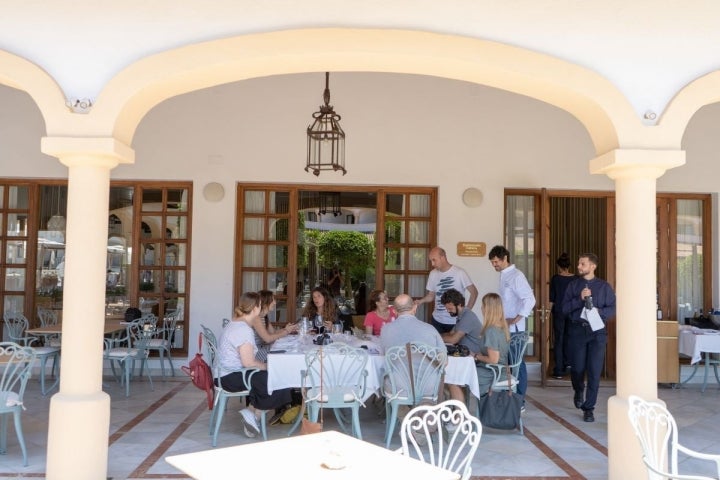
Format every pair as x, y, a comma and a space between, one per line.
325, 138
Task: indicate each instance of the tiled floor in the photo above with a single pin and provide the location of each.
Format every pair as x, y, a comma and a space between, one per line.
173, 419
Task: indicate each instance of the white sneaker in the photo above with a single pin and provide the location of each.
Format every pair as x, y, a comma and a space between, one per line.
250, 424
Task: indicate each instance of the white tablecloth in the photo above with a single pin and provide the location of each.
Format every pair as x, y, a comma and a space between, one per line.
284, 368
693, 342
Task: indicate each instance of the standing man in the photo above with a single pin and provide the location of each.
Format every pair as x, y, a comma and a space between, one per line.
518, 301
587, 347
443, 277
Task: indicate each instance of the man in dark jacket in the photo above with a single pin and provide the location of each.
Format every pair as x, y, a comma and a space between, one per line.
587, 346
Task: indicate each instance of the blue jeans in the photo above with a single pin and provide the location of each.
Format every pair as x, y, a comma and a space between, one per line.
522, 376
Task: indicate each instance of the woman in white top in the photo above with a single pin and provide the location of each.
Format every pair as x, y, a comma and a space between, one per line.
237, 350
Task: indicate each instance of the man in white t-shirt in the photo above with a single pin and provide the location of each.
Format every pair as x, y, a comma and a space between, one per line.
443, 277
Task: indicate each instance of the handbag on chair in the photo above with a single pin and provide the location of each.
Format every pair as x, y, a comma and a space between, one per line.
500, 410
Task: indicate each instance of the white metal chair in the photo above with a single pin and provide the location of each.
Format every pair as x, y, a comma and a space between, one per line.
222, 395
17, 325
48, 318
160, 340
657, 432
343, 370
425, 435
404, 385
124, 351
516, 352
13, 380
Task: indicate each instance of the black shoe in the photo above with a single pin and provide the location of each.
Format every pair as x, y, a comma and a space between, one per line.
588, 416
578, 399
557, 376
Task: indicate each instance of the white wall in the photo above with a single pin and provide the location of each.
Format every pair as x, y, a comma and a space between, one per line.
401, 129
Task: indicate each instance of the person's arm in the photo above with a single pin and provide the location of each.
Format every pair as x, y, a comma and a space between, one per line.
247, 357
429, 297
267, 337
472, 289
493, 356
453, 337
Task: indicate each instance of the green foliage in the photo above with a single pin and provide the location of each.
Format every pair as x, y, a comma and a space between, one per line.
352, 251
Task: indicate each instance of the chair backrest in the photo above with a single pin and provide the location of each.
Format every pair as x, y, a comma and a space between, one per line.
210, 342
18, 361
428, 366
516, 350
342, 366
47, 317
16, 324
449, 449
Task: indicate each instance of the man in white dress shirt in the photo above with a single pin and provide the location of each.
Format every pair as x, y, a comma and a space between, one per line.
517, 298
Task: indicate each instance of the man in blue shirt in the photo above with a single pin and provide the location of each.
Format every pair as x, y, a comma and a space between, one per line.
587, 346
517, 298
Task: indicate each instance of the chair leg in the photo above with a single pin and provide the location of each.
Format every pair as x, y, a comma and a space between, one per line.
3, 433
218, 418
356, 422
297, 421
263, 424
21, 438
391, 420
342, 421
170, 361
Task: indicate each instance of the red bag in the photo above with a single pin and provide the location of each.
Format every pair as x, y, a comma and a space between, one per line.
200, 374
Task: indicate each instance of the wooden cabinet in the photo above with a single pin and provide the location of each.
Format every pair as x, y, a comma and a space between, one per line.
668, 360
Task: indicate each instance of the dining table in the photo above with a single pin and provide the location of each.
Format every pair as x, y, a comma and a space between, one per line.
111, 326
326, 455
698, 344
286, 360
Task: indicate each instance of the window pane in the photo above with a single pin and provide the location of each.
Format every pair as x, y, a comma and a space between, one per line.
419, 206
180, 254
2, 197
254, 202
689, 257
416, 287
181, 281
395, 204
253, 229
394, 231
280, 313
18, 198
15, 251
177, 200
15, 279
176, 227
17, 224
394, 285
252, 257
14, 303
277, 256
151, 200
150, 281
279, 228
394, 258
279, 202
276, 282
152, 227
419, 232
418, 259
252, 281
151, 254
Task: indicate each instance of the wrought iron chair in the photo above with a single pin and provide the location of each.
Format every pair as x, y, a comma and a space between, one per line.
17, 325
124, 351
516, 352
222, 395
425, 436
657, 432
343, 370
48, 318
411, 381
13, 380
160, 340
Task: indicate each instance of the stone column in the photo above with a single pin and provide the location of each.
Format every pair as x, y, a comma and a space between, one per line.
635, 173
80, 412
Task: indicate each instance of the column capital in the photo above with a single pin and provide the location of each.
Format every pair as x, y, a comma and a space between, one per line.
89, 151
637, 163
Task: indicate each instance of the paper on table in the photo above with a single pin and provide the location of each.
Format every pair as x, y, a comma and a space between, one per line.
593, 318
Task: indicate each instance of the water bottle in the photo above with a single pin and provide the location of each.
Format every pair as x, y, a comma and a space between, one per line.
588, 300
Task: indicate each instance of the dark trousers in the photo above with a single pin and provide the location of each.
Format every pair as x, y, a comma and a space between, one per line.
560, 343
587, 354
442, 327
259, 396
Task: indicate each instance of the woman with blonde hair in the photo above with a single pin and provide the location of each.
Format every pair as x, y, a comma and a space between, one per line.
237, 350
494, 340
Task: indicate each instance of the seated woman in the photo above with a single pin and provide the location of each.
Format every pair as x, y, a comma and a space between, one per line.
236, 350
494, 342
265, 332
380, 313
321, 311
